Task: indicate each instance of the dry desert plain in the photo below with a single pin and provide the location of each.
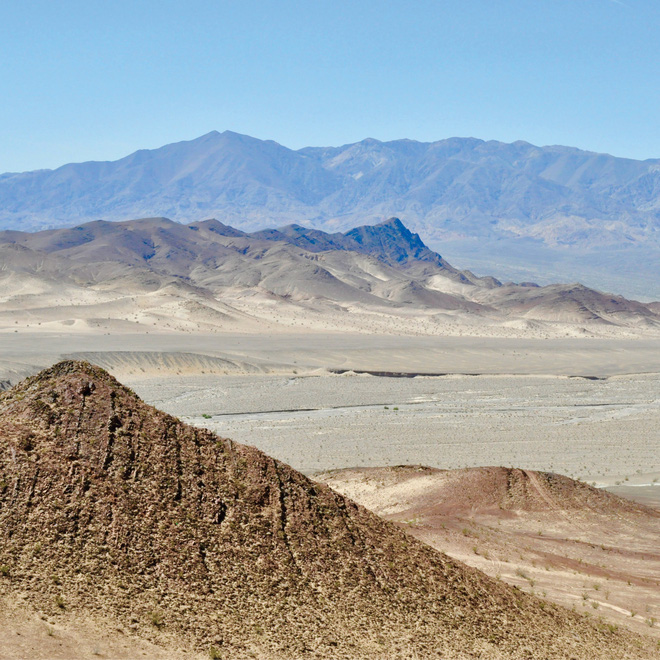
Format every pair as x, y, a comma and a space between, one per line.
587, 408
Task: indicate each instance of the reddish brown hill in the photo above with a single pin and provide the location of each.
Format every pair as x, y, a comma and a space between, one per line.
574, 544
111, 507
487, 489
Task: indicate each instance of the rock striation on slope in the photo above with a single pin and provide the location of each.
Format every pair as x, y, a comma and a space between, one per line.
111, 507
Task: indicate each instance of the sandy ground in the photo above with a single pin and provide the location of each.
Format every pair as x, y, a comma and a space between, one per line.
278, 392
27, 633
305, 351
603, 431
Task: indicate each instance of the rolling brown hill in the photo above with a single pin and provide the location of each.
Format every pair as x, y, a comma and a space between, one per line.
580, 546
111, 508
487, 491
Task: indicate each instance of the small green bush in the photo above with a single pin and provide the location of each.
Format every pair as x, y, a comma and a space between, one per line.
156, 619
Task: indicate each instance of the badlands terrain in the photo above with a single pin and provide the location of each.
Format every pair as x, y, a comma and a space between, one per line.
153, 273
563, 540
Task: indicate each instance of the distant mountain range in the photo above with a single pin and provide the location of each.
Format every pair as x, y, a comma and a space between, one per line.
209, 275
515, 210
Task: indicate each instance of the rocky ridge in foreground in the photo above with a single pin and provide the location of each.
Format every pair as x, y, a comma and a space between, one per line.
111, 507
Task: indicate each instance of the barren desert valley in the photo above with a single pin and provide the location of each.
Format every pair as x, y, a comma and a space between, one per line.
498, 445
330, 330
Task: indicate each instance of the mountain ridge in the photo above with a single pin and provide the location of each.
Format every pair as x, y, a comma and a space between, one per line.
510, 208
209, 270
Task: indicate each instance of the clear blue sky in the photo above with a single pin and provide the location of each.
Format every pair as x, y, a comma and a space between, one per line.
90, 80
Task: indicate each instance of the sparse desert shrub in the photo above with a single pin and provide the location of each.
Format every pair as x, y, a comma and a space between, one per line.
214, 653
59, 601
156, 619
4, 570
206, 416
